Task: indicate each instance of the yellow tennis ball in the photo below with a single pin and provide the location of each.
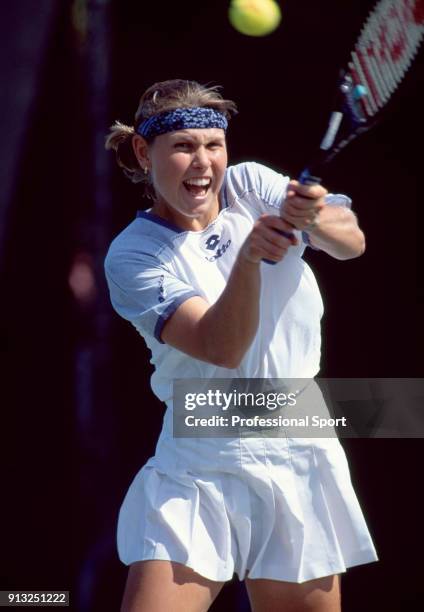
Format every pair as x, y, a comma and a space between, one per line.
254, 17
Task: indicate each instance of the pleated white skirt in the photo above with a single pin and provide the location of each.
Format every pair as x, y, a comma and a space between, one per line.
277, 508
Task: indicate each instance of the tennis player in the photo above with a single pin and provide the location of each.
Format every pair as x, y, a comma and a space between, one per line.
189, 274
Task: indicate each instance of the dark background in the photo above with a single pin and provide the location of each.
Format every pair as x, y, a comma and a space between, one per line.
77, 415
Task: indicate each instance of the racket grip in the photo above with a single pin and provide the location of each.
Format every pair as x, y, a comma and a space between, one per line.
305, 178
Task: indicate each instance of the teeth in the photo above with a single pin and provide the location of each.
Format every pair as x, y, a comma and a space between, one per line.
199, 182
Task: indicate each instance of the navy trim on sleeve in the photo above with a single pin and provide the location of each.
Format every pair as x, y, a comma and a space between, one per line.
170, 311
307, 241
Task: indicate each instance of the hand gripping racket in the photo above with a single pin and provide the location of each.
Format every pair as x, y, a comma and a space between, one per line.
386, 47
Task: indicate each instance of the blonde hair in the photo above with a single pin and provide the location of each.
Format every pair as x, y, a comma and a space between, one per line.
160, 97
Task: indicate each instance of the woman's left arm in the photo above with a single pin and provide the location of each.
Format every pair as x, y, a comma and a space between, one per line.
333, 229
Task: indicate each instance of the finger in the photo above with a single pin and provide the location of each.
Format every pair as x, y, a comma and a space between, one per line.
307, 191
302, 224
260, 248
270, 228
275, 222
298, 211
270, 250
299, 204
279, 226
276, 238
293, 215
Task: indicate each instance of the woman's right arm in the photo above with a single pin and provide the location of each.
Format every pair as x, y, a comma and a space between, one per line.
222, 333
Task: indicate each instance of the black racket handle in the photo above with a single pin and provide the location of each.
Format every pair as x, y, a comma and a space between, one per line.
305, 178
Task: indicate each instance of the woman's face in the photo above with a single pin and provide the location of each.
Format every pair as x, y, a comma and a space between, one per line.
187, 170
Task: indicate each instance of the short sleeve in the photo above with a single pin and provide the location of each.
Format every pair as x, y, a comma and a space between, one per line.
143, 291
270, 186
262, 187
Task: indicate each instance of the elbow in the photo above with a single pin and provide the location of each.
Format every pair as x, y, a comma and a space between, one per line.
359, 248
353, 244
230, 362
353, 250
221, 347
360, 244
229, 359
363, 246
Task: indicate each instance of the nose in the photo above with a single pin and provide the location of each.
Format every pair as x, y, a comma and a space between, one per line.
201, 158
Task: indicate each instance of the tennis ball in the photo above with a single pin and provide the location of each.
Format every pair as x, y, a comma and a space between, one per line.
254, 17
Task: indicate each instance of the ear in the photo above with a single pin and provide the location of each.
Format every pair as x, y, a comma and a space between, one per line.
141, 151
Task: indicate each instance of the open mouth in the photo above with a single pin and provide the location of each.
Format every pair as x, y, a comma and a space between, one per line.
198, 187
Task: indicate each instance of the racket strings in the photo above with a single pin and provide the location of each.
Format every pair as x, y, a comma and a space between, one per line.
385, 49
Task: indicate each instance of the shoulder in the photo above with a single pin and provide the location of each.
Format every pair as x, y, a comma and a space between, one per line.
139, 246
251, 175
257, 180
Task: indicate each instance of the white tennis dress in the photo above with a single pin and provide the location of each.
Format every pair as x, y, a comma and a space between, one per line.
278, 508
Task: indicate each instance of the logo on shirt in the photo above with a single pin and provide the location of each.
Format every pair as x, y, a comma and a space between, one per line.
212, 242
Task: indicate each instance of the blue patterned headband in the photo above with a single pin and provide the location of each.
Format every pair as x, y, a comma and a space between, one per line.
182, 119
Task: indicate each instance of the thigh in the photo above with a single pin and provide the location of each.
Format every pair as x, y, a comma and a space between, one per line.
320, 595
158, 586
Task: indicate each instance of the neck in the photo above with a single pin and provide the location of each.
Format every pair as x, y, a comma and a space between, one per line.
185, 222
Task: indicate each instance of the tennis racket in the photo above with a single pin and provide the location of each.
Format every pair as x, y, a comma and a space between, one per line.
382, 55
